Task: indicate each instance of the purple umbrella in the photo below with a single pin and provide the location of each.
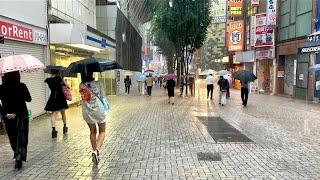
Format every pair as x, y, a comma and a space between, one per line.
170, 76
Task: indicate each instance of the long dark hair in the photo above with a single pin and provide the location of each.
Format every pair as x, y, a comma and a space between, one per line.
11, 77
87, 77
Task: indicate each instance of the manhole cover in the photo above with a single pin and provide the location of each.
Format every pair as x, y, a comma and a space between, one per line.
209, 156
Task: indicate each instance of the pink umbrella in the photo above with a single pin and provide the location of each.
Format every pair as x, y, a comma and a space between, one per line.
22, 63
170, 76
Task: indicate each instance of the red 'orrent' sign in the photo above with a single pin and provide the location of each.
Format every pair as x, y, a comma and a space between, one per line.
12, 31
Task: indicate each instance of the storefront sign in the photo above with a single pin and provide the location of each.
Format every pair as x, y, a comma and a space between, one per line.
301, 77
314, 37
264, 54
264, 35
235, 7
17, 32
254, 2
218, 11
252, 31
280, 74
40, 37
235, 38
309, 49
245, 56
271, 13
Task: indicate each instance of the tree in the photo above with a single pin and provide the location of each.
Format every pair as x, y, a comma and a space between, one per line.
183, 25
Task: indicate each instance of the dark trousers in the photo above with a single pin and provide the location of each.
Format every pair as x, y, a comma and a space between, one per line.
18, 130
128, 89
228, 93
244, 96
209, 90
149, 90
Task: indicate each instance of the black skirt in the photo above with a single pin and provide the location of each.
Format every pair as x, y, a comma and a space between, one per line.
171, 92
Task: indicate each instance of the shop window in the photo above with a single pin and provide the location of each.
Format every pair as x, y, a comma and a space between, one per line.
284, 34
303, 25
293, 9
303, 57
292, 31
285, 7
304, 6
284, 21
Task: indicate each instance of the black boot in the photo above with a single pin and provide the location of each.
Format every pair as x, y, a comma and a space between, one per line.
65, 129
54, 133
18, 164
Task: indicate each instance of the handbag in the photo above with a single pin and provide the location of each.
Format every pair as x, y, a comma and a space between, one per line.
103, 100
67, 92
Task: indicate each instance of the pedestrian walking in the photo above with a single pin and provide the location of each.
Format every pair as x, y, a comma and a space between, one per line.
149, 84
93, 112
210, 86
127, 83
191, 84
57, 101
224, 85
244, 92
171, 84
160, 81
14, 95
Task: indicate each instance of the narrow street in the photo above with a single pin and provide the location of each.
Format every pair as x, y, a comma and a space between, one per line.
150, 139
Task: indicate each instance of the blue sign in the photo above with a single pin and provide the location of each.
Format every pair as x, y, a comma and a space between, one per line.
103, 42
318, 16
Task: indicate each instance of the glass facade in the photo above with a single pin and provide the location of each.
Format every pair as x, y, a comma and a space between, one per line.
295, 19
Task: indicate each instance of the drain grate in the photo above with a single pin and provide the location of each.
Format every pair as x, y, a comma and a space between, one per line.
221, 131
209, 156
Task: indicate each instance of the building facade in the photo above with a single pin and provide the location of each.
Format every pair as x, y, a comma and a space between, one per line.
24, 27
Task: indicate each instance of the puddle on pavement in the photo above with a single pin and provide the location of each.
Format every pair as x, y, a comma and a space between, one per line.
221, 131
209, 156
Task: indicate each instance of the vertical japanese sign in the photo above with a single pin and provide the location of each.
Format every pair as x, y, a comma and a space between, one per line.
264, 35
235, 35
252, 31
235, 7
272, 13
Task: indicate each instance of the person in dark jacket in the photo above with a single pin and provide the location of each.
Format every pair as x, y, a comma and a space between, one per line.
127, 84
171, 84
57, 101
224, 86
14, 95
244, 92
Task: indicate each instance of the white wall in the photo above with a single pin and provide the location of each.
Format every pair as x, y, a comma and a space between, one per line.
33, 12
75, 11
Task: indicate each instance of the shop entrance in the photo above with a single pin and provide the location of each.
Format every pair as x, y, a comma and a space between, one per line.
302, 76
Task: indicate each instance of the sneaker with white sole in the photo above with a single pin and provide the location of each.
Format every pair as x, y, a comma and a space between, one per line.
95, 158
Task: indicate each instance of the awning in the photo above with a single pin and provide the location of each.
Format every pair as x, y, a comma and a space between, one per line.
80, 36
309, 47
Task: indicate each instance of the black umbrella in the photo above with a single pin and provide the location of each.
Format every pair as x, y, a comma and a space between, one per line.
62, 70
92, 65
244, 76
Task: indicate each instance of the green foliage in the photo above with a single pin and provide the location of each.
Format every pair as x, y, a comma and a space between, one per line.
182, 25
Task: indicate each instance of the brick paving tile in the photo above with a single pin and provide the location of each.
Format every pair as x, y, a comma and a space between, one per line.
148, 139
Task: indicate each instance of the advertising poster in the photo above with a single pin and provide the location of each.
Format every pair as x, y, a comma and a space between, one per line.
264, 35
272, 13
235, 7
218, 11
235, 36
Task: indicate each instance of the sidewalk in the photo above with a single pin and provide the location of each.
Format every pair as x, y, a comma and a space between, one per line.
149, 139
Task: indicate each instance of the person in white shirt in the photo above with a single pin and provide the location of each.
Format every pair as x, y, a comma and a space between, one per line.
209, 82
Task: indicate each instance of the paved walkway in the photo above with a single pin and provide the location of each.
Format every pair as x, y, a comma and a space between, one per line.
149, 139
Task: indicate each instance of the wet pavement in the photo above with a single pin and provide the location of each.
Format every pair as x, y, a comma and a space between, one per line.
146, 138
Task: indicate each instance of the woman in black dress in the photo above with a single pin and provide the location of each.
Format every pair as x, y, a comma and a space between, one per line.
14, 95
170, 87
57, 101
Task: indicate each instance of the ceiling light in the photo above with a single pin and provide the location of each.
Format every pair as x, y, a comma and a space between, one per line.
85, 47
